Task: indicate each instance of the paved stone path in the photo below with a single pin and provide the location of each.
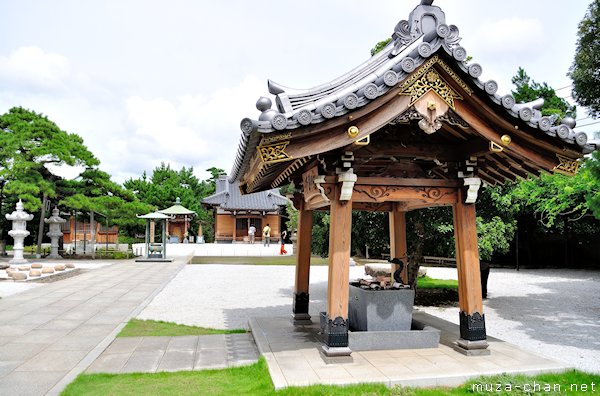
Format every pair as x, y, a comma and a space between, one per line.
152, 354
50, 334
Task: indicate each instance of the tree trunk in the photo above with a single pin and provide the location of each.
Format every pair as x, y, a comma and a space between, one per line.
416, 259
40, 236
93, 234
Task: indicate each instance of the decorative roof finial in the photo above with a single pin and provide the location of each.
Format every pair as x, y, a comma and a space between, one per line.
426, 2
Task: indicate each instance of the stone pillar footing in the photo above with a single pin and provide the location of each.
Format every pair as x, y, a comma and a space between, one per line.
471, 348
299, 319
335, 351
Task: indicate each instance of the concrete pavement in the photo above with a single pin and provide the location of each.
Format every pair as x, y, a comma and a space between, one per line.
50, 334
183, 353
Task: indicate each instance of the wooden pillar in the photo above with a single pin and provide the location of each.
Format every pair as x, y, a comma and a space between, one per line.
472, 320
336, 321
301, 295
234, 227
398, 239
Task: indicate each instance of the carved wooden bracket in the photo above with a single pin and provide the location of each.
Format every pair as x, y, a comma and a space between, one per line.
319, 180
348, 178
313, 191
473, 184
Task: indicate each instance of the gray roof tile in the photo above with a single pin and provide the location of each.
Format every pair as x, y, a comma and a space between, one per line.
229, 197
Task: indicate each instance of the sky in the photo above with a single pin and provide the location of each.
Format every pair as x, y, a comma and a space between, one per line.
148, 81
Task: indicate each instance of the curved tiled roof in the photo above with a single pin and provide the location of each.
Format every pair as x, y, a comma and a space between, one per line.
413, 42
177, 209
229, 197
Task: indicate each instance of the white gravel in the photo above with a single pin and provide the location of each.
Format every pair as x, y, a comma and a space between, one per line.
226, 296
555, 313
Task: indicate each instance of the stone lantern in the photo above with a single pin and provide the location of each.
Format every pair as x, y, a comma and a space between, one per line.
19, 231
55, 222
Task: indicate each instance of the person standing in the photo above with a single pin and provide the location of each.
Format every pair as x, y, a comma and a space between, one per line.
267, 235
282, 251
251, 233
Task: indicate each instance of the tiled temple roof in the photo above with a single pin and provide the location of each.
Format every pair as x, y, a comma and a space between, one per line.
413, 43
229, 197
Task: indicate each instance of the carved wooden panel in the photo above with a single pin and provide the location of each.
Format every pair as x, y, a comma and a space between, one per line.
433, 195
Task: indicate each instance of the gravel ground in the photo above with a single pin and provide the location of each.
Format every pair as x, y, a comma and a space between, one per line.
555, 313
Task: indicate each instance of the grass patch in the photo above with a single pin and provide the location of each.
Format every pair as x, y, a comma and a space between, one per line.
261, 260
151, 328
254, 380
426, 282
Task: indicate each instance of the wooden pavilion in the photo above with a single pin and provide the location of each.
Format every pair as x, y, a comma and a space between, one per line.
234, 213
178, 224
410, 128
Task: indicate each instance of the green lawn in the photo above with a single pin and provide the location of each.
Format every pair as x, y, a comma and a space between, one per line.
262, 260
255, 380
431, 283
149, 328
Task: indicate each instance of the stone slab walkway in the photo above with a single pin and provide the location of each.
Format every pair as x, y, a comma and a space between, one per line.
50, 334
293, 356
154, 354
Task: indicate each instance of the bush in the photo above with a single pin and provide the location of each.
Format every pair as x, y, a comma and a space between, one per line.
113, 254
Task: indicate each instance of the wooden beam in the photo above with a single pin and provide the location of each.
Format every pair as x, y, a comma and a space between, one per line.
303, 248
338, 137
407, 182
430, 195
497, 174
372, 207
485, 130
398, 239
511, 126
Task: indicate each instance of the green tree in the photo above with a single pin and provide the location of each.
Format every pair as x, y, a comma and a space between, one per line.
527, 90
94, 191
553, 197
166, 185
584, 70
30, 144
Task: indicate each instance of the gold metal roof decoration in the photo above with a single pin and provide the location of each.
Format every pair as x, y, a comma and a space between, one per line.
566, 166
431, 81
271, 153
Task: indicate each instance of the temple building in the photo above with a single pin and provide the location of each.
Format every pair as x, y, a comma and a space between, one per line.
77, 230
235, 213
412, 127
178, 224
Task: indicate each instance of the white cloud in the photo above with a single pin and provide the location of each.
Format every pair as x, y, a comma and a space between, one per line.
129, 134
32, 67
193, 130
